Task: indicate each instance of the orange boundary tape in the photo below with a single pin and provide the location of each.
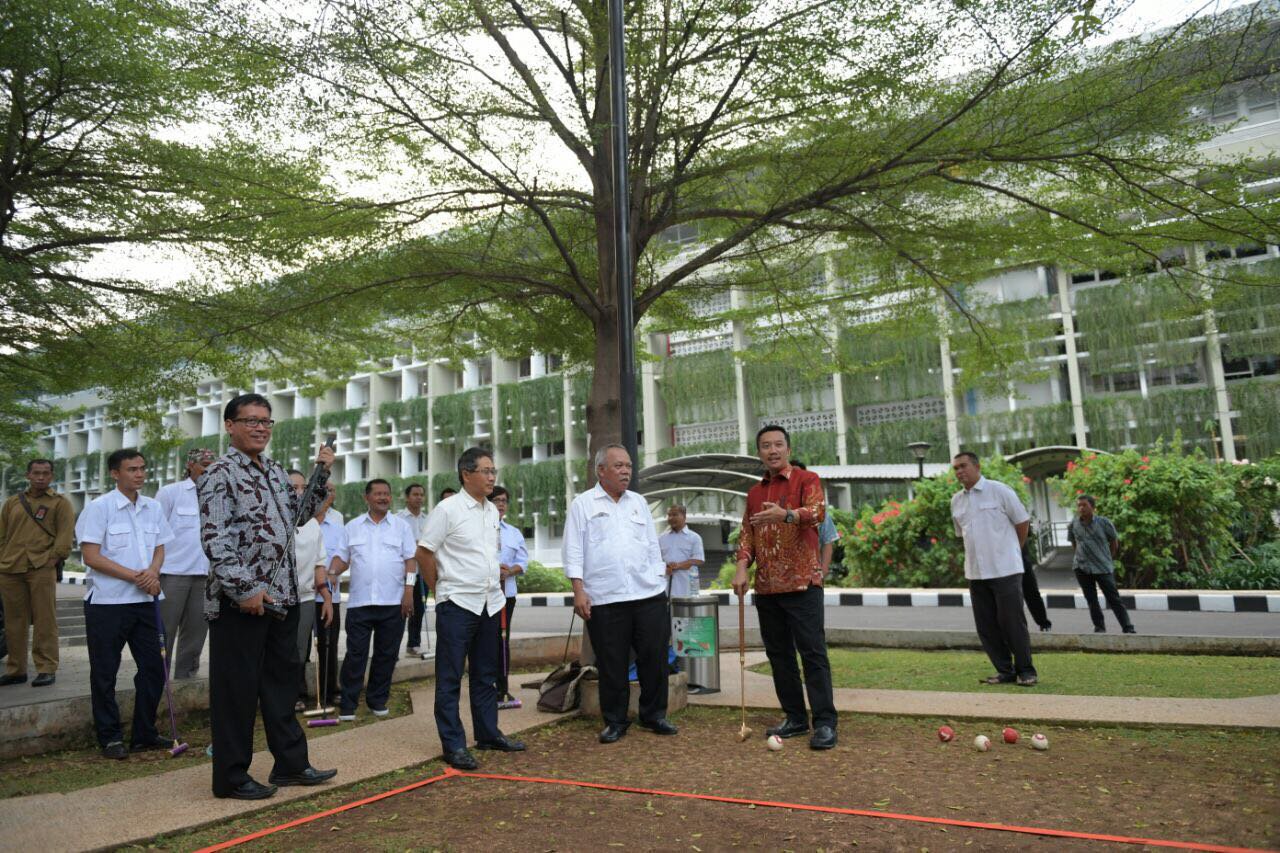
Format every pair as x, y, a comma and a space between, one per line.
967, 824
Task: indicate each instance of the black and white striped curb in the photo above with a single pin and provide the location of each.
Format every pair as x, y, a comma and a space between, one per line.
1192, 602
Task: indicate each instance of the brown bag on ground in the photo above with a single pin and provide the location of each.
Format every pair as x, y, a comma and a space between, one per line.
558, 692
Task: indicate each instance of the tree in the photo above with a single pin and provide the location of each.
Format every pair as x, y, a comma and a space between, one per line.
917, 142
922, 141
121, 135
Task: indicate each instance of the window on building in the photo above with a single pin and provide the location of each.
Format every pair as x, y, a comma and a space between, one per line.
526, 452
1261, 102
555, 448
526, 367
554, 362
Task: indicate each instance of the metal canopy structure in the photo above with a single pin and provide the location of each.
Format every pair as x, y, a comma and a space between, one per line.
1041, 462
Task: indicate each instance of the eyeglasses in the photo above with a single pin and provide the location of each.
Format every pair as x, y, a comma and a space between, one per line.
488, 472
254, 423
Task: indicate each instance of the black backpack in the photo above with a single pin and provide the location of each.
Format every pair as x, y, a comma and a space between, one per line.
558, 692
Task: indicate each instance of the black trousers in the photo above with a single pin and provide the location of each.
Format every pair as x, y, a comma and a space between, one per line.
1089, 585
466, 640
504, 680
616, 630
385, 626
1035, 601
419, 612
253, 663
328, 652
108, 629
792, 622
1002, 627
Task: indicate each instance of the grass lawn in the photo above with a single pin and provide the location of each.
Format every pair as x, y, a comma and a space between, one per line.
83, 767
1071, 673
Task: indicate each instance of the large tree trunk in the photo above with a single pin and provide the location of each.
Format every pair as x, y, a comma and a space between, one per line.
604, 406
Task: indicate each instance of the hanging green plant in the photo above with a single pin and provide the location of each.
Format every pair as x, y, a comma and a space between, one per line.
778, 388
536, 487
1010, 432
529, 411
442, 481
348, 419
887, 442
1117, 422
1136, 322
699, 388
455, 416
814, 447
1010, 342
349, 500
890, 361
292, 441
1258, 401
1248, 310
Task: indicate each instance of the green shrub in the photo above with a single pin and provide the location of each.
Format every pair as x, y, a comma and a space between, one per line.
540, 578
913, 543
1258, 568
1257, 488
1174, 511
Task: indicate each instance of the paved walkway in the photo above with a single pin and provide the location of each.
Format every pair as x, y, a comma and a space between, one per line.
1036, 703
137, 809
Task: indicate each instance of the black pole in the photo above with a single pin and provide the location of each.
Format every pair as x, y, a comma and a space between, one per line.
622, 261
920, 468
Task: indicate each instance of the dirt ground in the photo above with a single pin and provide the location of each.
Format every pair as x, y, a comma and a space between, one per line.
1196, 785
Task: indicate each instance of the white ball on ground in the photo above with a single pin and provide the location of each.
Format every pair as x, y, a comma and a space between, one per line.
982, 743
1039, 741
774, 743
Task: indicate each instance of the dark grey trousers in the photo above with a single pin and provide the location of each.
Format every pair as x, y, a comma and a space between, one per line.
1002, 627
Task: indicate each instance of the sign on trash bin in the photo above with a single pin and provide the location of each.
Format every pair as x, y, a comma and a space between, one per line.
694, 636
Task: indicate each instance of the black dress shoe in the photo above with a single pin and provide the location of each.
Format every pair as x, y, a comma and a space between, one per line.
1046, 626
1098, 629
307, 776
660, 726
461, 759
788, 728
6, 680
613, 733
249, 789
150, 745
501, 743
43, 679
1128, 630
115, 751
824, 737
998, 679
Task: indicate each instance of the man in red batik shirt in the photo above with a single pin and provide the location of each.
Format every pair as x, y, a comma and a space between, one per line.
780, 535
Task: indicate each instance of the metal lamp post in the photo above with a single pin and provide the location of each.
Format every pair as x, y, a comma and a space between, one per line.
622, 261
918, 450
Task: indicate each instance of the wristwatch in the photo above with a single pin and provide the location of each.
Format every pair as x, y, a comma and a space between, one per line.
791, 517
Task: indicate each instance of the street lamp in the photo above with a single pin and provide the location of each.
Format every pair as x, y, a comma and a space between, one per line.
918, 450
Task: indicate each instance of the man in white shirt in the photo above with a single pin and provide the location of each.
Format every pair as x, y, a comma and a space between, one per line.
329, 594
310, 562
682, 552
122, 537
458, 556
378, 547
612, 558
993, 523
513, 559
415, 496
185, 569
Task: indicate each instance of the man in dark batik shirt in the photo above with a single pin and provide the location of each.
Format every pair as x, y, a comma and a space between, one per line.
247, 512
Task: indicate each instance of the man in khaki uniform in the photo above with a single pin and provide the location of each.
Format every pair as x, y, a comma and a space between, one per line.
36, 528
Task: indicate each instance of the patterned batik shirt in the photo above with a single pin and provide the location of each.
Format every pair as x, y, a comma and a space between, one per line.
246, 526
786, 555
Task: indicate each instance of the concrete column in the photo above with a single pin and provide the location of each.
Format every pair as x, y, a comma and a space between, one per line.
1074, 386
837, 378
569, 449
948, 380
656, 435
1217, 376
746, 430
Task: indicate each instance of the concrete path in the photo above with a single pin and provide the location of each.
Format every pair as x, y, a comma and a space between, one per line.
138, 809
1035, 703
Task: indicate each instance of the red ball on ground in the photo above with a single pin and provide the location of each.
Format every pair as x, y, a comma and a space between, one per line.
946, 734
1010, 735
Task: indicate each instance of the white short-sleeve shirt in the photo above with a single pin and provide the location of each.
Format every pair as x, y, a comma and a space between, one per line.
128, 533
985, 517
462, 532
308, 552
613, 547
181, 506
375, 552
676, 548
331, 529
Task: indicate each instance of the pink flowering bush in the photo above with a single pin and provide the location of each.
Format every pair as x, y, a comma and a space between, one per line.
913, 543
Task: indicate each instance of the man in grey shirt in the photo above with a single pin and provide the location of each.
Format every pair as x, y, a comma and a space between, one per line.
1096, 544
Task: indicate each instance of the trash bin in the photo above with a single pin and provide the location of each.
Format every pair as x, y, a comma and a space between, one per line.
695, 637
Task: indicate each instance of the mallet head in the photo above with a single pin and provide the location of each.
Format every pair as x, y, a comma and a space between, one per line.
744, 733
